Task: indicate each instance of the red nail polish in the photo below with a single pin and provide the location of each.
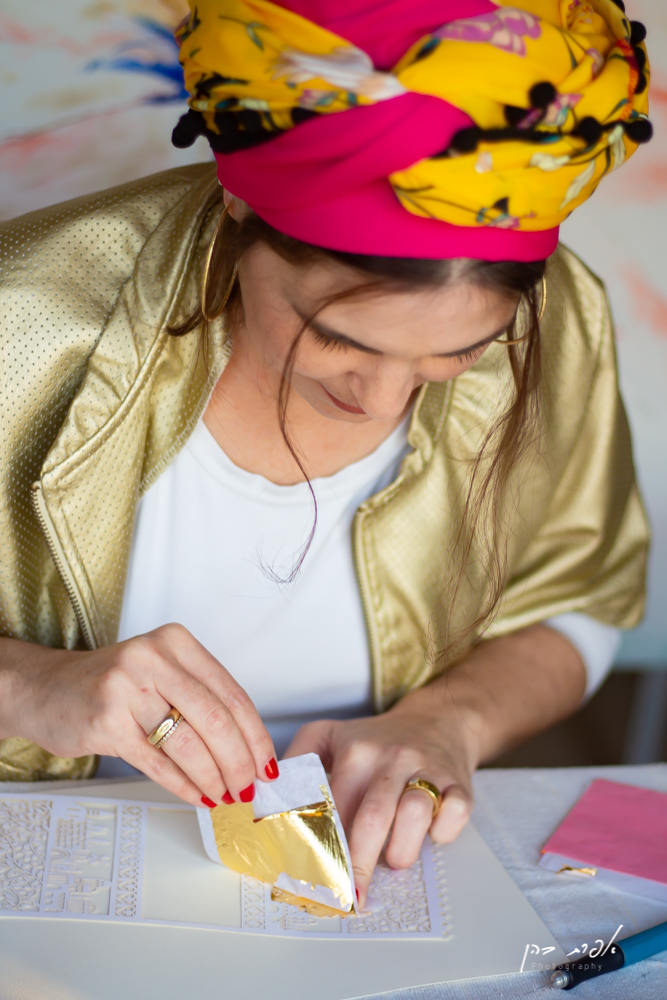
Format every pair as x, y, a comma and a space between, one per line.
208, 802
357, 892
271, 769
228, 799
248, 794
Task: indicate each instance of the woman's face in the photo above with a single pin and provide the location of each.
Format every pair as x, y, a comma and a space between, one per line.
362, 359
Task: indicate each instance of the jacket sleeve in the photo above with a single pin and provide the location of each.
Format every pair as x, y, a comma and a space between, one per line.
581, 543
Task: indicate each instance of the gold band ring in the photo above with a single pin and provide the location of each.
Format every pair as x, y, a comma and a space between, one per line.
165, 729
422, 785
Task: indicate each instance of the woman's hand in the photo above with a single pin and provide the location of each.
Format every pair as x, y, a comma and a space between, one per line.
371, 760
108, 700
504, 691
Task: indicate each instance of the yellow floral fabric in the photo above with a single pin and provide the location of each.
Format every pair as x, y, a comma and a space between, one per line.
526, 171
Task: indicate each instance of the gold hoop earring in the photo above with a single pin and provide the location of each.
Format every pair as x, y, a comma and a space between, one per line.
543, 306
207, 267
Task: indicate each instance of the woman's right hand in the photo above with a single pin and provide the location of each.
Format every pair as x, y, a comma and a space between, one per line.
106, 702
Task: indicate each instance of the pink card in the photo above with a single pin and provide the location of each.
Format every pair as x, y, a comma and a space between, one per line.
616, 827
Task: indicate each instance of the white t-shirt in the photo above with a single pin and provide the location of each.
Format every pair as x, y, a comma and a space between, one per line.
212, 544
210, 540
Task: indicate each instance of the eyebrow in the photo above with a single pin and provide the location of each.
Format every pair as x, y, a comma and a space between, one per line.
341, 338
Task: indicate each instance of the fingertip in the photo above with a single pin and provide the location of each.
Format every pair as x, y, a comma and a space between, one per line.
361, 898
247, 794
361, 884
271, 769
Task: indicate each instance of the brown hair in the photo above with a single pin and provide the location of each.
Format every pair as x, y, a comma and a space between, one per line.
508, 440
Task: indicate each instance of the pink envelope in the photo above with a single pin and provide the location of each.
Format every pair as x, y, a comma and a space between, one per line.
619, 833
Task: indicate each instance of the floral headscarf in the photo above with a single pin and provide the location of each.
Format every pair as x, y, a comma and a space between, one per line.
536, 102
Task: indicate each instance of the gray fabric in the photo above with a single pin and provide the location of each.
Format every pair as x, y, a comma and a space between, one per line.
516, 811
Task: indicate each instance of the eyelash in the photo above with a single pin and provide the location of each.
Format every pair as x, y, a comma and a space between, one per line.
327, 342
470, 355
335, 345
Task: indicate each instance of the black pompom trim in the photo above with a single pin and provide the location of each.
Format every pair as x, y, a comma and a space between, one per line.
637, 32
590, 130
514, 115
640, 130
542, 95
300, 115
642, 85
238, 130
466, 140
619, 3
241, 129
188, 128
640, 56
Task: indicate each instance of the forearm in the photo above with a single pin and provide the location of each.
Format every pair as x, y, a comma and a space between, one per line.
20, 666
505, 691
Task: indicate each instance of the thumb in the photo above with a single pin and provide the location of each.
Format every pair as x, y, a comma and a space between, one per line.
314, 737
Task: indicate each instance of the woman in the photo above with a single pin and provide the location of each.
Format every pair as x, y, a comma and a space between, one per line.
339, 447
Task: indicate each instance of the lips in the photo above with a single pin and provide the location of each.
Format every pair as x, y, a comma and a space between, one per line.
344, 406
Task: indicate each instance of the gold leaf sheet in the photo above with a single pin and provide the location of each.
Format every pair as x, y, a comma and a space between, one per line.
302, 843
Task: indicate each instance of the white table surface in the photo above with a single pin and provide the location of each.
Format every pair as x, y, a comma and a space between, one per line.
516, 811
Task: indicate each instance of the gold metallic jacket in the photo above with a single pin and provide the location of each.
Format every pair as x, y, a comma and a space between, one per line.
97, 399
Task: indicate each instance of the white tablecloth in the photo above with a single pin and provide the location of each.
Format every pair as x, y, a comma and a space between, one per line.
516, 811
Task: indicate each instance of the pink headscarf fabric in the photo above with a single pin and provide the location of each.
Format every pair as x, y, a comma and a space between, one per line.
325, 182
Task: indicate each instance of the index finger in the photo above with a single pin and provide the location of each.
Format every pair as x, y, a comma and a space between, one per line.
196, 660
371, 827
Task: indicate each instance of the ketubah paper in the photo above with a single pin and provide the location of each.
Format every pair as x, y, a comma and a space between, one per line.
73, 856
81, 864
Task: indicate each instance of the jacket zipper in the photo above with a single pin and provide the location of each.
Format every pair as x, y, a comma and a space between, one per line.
58, 556
364, 590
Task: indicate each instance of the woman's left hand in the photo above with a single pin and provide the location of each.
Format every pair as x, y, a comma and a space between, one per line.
371, 760
505, 690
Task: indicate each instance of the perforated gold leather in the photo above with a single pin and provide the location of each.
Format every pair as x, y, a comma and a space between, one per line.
97, 398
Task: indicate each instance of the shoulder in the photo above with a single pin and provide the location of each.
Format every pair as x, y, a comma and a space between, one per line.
67, 271
85, 247
63, 268
577, 318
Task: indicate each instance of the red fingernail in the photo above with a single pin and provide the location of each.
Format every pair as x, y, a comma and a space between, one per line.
228, 799
357, 892
271, 769
208, 802
248, 794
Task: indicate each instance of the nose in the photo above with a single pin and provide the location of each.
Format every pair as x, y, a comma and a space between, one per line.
384, 391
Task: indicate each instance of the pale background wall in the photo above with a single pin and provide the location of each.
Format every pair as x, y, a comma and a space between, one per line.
89, 93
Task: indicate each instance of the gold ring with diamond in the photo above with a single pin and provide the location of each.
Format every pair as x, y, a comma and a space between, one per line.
165, 729
422, 785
